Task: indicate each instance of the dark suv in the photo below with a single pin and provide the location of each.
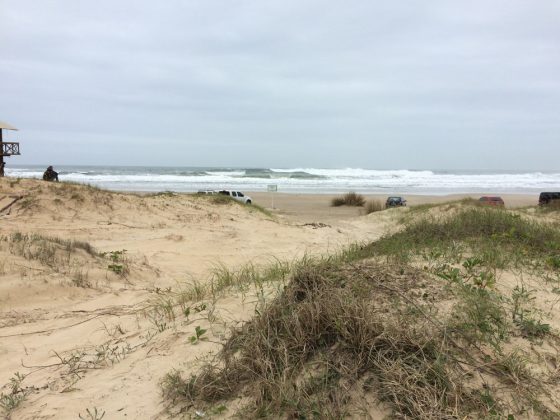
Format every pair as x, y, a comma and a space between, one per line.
548, 197
395, 202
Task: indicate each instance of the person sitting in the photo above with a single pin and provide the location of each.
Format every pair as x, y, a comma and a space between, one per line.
50, 174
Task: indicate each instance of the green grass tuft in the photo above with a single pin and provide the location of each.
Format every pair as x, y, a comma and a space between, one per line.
488, 232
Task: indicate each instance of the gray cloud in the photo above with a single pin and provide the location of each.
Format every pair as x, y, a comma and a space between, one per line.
283, 83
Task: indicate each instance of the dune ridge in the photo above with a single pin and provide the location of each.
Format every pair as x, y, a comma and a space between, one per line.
96, 286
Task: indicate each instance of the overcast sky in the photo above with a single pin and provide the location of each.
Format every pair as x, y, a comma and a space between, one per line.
289, 83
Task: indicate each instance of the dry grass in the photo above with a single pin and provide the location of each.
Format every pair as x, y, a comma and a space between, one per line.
307, 352
70, 258
553, 206
337, 333
373, 206
349, 199
425, 343
48, 250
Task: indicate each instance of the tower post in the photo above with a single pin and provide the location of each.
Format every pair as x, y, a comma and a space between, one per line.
1, 155
9, 148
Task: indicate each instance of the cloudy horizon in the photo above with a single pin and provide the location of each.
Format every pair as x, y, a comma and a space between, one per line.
421, 85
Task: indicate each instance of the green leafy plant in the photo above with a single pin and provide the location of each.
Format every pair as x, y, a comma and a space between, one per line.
522, 314
117, 256
554, 262
479, 311
198, 335
201, 307
520, 297
116, 268
118, 264
474, 273
16, 393
449, 273
533, 328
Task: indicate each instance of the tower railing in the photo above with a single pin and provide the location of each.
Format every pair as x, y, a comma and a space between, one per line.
10, 148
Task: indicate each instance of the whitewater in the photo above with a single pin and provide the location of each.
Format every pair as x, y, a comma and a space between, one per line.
300, 180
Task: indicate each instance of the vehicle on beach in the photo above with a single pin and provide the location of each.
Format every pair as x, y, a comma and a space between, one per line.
395, 202
549, 198
207, 192
492, 201
237, 195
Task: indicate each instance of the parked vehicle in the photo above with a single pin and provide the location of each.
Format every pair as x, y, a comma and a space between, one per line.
395, 202
549, 197
207, 192
237, 195
492, 201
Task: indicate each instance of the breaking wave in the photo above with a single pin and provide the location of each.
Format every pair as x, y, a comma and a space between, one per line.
306, 180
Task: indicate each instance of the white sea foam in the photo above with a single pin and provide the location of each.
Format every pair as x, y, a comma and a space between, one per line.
310, 180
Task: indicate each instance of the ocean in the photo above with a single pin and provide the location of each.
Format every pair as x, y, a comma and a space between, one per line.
300, 180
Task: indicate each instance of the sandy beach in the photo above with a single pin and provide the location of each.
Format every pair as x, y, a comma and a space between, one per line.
311, 207
92, 284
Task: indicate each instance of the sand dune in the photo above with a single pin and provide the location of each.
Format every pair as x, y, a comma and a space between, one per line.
102, 293
88, 336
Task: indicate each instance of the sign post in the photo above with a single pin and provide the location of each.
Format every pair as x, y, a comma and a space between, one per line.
272, 189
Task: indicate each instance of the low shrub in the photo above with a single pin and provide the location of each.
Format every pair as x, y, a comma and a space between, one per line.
338, 332
349, 199
489, 232
373, 206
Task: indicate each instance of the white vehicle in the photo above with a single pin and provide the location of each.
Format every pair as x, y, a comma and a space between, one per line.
237, 195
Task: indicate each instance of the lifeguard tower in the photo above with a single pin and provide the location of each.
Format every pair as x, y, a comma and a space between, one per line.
7, 148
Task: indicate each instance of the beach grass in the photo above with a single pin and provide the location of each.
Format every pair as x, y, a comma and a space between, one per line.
428, 341
44, 248
497, 236
72, 259
373, 206
349, 199
553, 206
413, 325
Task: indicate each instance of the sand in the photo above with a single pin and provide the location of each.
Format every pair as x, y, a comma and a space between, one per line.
87, 337
317, 206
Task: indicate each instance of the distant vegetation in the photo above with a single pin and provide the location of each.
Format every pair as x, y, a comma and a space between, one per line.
349, 199
373, 206
553, 206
